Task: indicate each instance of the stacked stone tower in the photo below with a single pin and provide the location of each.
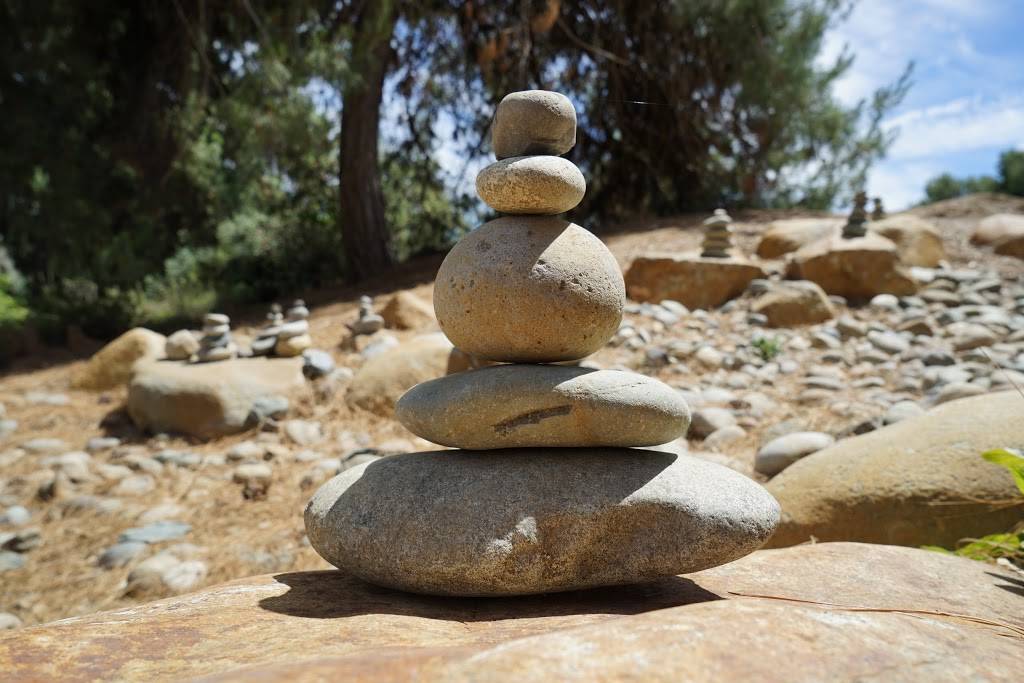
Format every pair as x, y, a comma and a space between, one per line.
856, 224
545, 492
717, 235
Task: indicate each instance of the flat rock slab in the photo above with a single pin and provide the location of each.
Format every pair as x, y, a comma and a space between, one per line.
800, 614
523, 521
857, 269
208, 399
511, 406
692, 280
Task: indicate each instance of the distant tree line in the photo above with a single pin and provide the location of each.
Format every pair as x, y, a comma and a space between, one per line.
165, 156
1009, 179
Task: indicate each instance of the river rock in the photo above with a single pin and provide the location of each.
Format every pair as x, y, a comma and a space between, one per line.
916, 482
533, 122
1012, 245
917, 240
780, 453
511, 406
406, 311
799, 614
181, 345
208, 400
112, 365
540, 520
529, 289
531, 185
790, 304
785, 236
692, 280
998, 227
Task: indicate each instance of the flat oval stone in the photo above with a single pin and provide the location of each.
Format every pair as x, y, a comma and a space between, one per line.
533, 122
510, 406
529, 289
524, 521
531, 185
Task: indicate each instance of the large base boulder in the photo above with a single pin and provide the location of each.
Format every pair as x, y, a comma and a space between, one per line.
406, 311
921, 481
208, 400
111, 366
917, 241
786, 236
858, 269
692, 280
832, 611
998, 227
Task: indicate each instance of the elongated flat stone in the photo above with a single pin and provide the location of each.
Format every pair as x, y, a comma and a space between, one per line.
523, 521
508, 406
531, 185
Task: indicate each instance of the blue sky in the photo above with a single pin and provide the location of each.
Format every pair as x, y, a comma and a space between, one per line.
967, 101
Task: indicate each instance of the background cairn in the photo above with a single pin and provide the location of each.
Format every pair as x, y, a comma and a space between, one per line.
878, 212
368, 321
216, 343
856, 224
717, 235
266, 338
293, 337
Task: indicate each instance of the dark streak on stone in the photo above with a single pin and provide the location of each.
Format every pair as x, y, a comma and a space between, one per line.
505, 427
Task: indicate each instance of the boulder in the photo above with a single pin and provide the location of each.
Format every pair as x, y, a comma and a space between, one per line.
692, 280
785, 236
998, 227
790, 304
917, 240
210, 399
382, 380
780, 453
526, 289
112, 365
1011, 245
856, 269
512, 406
535, 520
800, 614
406, 311
921, 481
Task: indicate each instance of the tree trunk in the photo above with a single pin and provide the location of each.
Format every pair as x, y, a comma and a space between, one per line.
361, 219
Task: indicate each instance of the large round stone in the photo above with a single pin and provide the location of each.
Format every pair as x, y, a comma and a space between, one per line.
508, 406
531, 185
533, 122
522, 521
529, 289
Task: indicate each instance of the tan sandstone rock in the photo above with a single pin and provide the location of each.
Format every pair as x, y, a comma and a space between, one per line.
692, 280
406, 311
529, 289
857, 269
531, 185
920, 614
540, 520
533, 122
919, 481
382, 380
112, 365
785, 236
211, 399
998, 227
917, 240
1012, 245
789, 304
511, 406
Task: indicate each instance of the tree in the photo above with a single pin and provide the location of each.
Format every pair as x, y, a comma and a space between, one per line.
1011, 172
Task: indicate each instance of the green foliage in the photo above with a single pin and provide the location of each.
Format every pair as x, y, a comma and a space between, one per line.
767, 348
1010, 181
1010, 459
1011, 172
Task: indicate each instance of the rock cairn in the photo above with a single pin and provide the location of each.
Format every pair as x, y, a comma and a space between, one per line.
216, 343
856, 224
266, 338
368, 321
293, 337
552, 496
878, 211
717, 235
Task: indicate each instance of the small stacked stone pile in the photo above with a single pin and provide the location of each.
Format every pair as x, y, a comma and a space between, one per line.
216, 343
878, 212
293, 337
856, 224
368, 321
546, 493
717, 235
266, 338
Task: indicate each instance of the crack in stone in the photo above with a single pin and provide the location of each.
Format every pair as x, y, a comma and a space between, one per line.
505, 427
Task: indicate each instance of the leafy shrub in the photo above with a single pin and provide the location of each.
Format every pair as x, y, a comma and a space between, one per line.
767, 348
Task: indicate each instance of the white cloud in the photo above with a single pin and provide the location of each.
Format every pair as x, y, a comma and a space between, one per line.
959, 126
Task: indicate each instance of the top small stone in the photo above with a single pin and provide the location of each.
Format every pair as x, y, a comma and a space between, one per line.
534, 122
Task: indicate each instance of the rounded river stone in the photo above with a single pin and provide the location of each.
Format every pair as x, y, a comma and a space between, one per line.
529, 289
531, 185
524, 521
510, 406
533, 122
